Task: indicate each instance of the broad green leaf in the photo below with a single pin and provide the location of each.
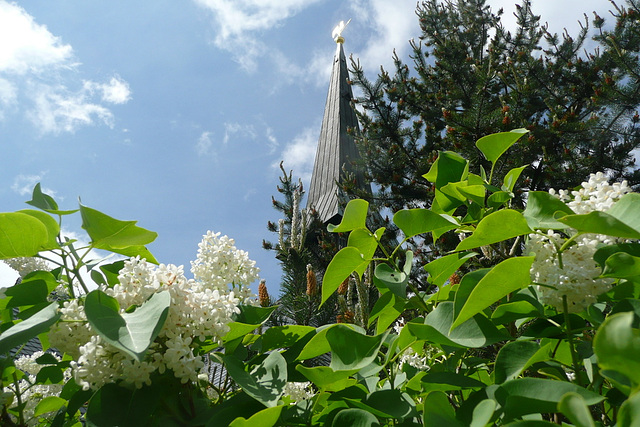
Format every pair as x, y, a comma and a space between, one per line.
483, 412
448, 381
498, 199
324, 376
511, 178
365, 241
355, 216
135, 251
53, 228
386, 277
474, 333
112, 234
537, 395
41, 200
575, 408
496, 227
284, 336
600, 223
418, 221
386, 310
318, 344
622, 265
494, 145
238, 329
515, 357
345, 262
111, 272
393, 402
442, 268
133, 332
604, 252
629, 414
627, 210
351, 349
617, 345
512, 311
509, 276
541, 211
462, 191
438, 412
49, 404
468, 282
448, 167
22, 235
34, 289
22, 332
266, 418
253, 314
265, 382
355, 417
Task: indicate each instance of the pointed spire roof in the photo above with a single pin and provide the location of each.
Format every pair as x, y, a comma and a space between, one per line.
336, 148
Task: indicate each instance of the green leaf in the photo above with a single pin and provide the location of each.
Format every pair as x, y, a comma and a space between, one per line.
515, 310
516, 356
575, 408
498, 199
418, 221
345, 262
114, 235
617, 345
621, 265
511, 178
22, 332
385, 277
438, 412
355, 216
53, 228
448, 381
442, 268
600, 223
134, 332
542, 210
627, 210
34, 289
22, 235
41, 200
351, 349
284, 336
265, 382
474, 333
510, 275
386, 310
365, 241
494, 145
355, 417
49, 404
483, 412
629, 414
111, 272
324, 376
253, 314
496, 227
448, 167
537, 395
266, 418
393, 402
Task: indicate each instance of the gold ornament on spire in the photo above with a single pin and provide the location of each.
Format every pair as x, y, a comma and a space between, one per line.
337, 31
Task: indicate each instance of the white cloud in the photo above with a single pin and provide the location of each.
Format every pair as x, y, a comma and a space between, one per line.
299, 155
203, 146
26, 45
239, 22
36, 71
115, 92
23, 184
272, 140
232, 129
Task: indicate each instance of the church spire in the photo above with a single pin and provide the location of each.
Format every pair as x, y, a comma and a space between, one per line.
336, 148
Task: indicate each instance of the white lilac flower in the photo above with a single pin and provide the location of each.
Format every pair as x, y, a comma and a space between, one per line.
298, 391
576, 277
200, 309
415, 359
25, 266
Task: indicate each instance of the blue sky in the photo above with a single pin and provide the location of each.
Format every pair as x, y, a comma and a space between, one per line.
177, 114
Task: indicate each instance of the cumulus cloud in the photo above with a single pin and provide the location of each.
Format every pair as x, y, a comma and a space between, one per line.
36, 72
239, 22
23, 184
233, 129
299, 154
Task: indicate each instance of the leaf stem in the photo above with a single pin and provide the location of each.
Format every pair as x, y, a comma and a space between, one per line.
574, 355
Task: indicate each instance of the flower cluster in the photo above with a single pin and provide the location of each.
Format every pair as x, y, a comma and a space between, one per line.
25, 266
30, 391
200, 310
574, 273
298, 391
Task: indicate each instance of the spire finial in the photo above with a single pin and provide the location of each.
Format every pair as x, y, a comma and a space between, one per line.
337, 31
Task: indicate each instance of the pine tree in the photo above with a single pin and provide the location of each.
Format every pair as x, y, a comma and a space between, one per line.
470, 77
